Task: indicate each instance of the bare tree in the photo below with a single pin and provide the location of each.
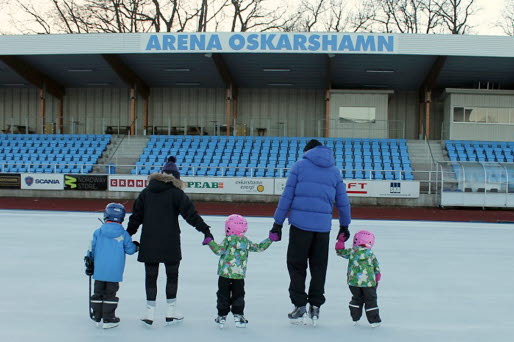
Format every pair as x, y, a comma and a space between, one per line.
506, 23
406, 16
455, 14
254, 15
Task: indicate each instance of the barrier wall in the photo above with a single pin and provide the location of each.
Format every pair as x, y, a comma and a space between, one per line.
197, 185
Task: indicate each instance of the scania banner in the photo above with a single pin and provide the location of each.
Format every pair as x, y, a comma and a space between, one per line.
42, 181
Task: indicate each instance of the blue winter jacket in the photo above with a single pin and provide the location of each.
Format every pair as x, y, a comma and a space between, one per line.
314, 183
110, 244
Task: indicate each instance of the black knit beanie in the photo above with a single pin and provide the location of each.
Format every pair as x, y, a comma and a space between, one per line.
311, 144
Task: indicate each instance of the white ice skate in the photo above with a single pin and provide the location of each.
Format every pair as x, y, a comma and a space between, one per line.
150, 314
375, 325
354, 323
172, 315
221, 320
240, 321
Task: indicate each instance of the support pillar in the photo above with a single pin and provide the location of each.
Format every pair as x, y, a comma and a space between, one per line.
428, 101
132, 111
421, 117
145, 114
228, 108
60, 115
42, 109
327, 113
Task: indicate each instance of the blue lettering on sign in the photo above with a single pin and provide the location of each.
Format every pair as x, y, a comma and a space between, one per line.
214, 43
272, 42
236, 42
253, 42
365, 44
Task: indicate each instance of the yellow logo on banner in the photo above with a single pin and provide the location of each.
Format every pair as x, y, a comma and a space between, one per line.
70, 181
260, 188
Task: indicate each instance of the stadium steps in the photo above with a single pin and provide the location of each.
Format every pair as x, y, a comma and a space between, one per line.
420, 158
128, 152
99, 167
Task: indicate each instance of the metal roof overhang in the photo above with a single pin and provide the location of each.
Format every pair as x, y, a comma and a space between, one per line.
277, 70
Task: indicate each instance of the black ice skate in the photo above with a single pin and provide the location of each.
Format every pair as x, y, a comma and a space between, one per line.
111, 323
221, 320
240, 321
314, 314
298, 315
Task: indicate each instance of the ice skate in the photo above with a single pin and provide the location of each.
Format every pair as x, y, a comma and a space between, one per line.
240, 321
376, 324
172, 315
314, 314
149, 316
221, 320
354, 323
298, 315
112, 323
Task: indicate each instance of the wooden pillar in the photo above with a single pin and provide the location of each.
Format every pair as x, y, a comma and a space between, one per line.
228, 108
42, 109
60, 115
145, 114
327, 113
428, 100
420, 123
132, 111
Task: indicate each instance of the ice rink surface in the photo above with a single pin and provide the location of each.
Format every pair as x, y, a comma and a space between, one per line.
440, 282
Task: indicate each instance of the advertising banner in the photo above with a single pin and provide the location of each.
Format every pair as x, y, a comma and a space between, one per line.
85, 182
241, 186
371, 188
127, 183
10, 181
42, 181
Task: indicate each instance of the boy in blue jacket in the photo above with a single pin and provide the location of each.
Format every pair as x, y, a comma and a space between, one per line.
109, 245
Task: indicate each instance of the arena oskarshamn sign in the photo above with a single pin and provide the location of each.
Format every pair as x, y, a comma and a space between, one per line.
271, 42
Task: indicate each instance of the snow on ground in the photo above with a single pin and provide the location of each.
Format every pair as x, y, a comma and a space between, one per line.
441, 282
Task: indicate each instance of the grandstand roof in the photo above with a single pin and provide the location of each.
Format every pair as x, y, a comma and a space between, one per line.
261, 60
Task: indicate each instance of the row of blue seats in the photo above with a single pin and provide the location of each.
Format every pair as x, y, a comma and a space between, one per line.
54, 137
479, 144
239, 138
77, 168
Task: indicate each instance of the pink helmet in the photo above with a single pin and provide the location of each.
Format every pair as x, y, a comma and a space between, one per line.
236, 225
364, 238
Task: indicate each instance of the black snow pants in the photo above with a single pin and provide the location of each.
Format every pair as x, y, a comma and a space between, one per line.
307, 248
104, 301
151, 274
364, 296
231, 296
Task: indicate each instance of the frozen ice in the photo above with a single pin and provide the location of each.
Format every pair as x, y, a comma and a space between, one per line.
441, 282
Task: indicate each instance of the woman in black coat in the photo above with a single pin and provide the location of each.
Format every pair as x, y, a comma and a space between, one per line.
157, 207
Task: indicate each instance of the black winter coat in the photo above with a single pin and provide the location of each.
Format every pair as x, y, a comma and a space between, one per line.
157, 207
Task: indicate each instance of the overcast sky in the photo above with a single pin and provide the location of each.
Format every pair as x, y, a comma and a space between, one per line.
484, 23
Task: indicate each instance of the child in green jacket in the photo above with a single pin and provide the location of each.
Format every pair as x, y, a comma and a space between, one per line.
233, 252
363, 276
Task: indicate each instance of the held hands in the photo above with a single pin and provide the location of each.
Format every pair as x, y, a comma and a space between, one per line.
137, 245
207, 238
344, 233
275, 234
339, 244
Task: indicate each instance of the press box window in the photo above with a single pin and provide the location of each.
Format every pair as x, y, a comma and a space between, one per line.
357, 114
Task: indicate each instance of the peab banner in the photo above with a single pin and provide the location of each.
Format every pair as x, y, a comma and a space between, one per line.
85, 182
371, 188
10, 181
42, 181
242, 186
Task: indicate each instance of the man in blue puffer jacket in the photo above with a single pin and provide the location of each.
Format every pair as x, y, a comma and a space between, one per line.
109, 245
313, 185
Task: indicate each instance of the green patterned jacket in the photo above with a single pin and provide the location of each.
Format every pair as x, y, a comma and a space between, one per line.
362, 266
233, 252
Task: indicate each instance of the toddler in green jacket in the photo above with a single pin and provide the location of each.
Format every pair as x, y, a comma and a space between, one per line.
363, 276
233, 252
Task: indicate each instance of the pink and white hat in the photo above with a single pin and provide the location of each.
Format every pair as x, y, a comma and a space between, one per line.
236, 225
364, 238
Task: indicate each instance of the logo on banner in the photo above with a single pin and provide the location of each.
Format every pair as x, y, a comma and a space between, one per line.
357, 188
70, 182
260, 188
29, 180
205, 185
128, 183
395, 188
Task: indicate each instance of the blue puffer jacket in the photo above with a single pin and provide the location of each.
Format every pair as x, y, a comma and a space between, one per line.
314, 183
110, 244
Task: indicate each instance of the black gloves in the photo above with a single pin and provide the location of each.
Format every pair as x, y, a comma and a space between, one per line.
208, 234
89, 263
137, 245
276, 232
343, 230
